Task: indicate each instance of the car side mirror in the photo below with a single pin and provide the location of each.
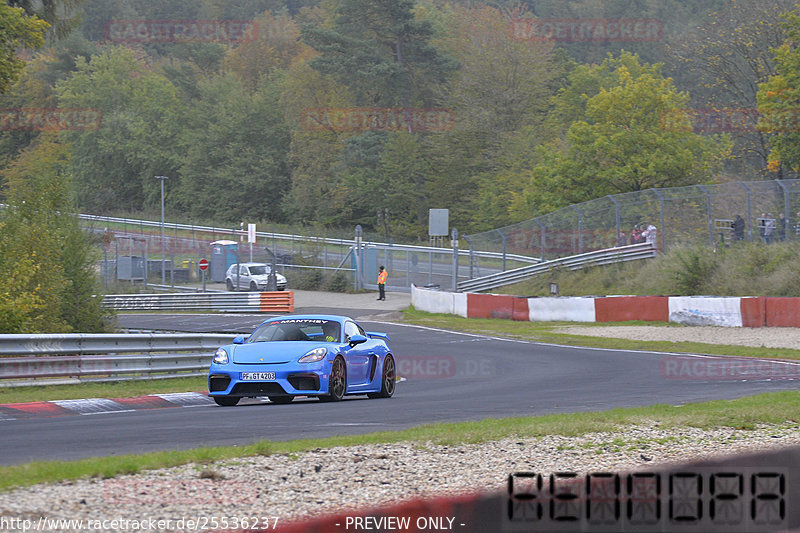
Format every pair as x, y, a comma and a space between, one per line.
239, 340
357, 339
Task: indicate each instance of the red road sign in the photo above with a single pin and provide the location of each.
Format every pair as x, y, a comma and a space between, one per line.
203, 264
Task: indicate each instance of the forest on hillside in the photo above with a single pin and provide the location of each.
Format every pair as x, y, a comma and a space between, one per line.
331, 113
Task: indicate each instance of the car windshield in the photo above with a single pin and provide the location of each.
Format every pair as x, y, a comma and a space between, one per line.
297, 329
259, 270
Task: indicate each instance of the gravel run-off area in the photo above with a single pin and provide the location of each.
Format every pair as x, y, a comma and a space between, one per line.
756, 337
333, 480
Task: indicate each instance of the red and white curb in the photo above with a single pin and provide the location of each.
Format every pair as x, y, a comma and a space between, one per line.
97, 406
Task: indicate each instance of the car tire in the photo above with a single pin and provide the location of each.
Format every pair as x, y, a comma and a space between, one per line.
229, 285
388, 380
253, 286
226, 401
337, 382
281, 399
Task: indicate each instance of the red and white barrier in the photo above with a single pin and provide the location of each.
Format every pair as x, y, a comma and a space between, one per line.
691, 310
432, 301
705, 311
564, 309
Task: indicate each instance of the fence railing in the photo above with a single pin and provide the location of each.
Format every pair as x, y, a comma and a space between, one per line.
690, 215
600, 257
58, 359
233, 302
355, 261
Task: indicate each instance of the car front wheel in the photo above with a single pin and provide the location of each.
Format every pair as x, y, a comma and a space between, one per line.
388, 381
226, 401
337, 382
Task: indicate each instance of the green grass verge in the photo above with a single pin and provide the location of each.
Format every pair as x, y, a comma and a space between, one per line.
778, 408
547, 332
123, 389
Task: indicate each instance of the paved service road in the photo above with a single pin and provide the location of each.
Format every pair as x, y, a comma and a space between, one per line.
450, 377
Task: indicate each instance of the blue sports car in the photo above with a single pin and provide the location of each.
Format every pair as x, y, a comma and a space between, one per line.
325, 356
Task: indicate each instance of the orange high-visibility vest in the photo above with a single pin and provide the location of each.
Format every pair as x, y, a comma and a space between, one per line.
382, 277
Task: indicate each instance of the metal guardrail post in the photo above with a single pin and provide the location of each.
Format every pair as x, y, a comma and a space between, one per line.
505, 247
663, 223
580, 228
471, 255
616, 207
786, 209
708, 214
749, 210
454, 239
543, 236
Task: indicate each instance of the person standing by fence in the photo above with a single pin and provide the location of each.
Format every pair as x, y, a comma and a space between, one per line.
382, 276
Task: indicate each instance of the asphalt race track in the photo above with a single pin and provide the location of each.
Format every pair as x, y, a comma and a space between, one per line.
449, 377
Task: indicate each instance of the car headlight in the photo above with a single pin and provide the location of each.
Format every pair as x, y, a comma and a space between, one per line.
317, 354
221, 357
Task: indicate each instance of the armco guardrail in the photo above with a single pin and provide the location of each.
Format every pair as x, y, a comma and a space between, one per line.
43, 359
622, 254
266, 236
234, 302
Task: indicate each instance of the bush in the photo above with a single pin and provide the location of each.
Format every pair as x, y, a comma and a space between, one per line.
338, 282
744, 269
306, 280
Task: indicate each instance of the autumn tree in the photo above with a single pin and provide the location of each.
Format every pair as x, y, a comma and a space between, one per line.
16, 30
779, 101
634, 135
47, 264
725, 59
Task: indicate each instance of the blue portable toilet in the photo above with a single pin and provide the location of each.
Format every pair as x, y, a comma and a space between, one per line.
224, 253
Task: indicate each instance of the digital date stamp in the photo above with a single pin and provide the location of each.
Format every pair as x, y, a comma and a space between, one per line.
712, 499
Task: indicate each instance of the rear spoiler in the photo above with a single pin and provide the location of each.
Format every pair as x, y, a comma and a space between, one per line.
374, 335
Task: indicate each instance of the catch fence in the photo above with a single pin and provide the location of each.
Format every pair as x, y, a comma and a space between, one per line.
691, 215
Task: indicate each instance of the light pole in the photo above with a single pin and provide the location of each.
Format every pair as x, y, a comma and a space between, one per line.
163, 250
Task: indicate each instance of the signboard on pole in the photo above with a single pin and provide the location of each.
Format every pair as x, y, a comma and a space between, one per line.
251, 233
438, 222
203, 264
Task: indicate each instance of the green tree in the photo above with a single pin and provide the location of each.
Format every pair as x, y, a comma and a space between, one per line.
141, 115
236, 143
47, 261
16, 30
634, 136
380, 52
61, 15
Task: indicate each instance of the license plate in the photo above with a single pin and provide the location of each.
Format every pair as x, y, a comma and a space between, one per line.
258, 376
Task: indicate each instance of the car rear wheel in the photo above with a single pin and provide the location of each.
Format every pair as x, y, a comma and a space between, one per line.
281, 399
229, 285
389, 380
337, 382
226, 401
